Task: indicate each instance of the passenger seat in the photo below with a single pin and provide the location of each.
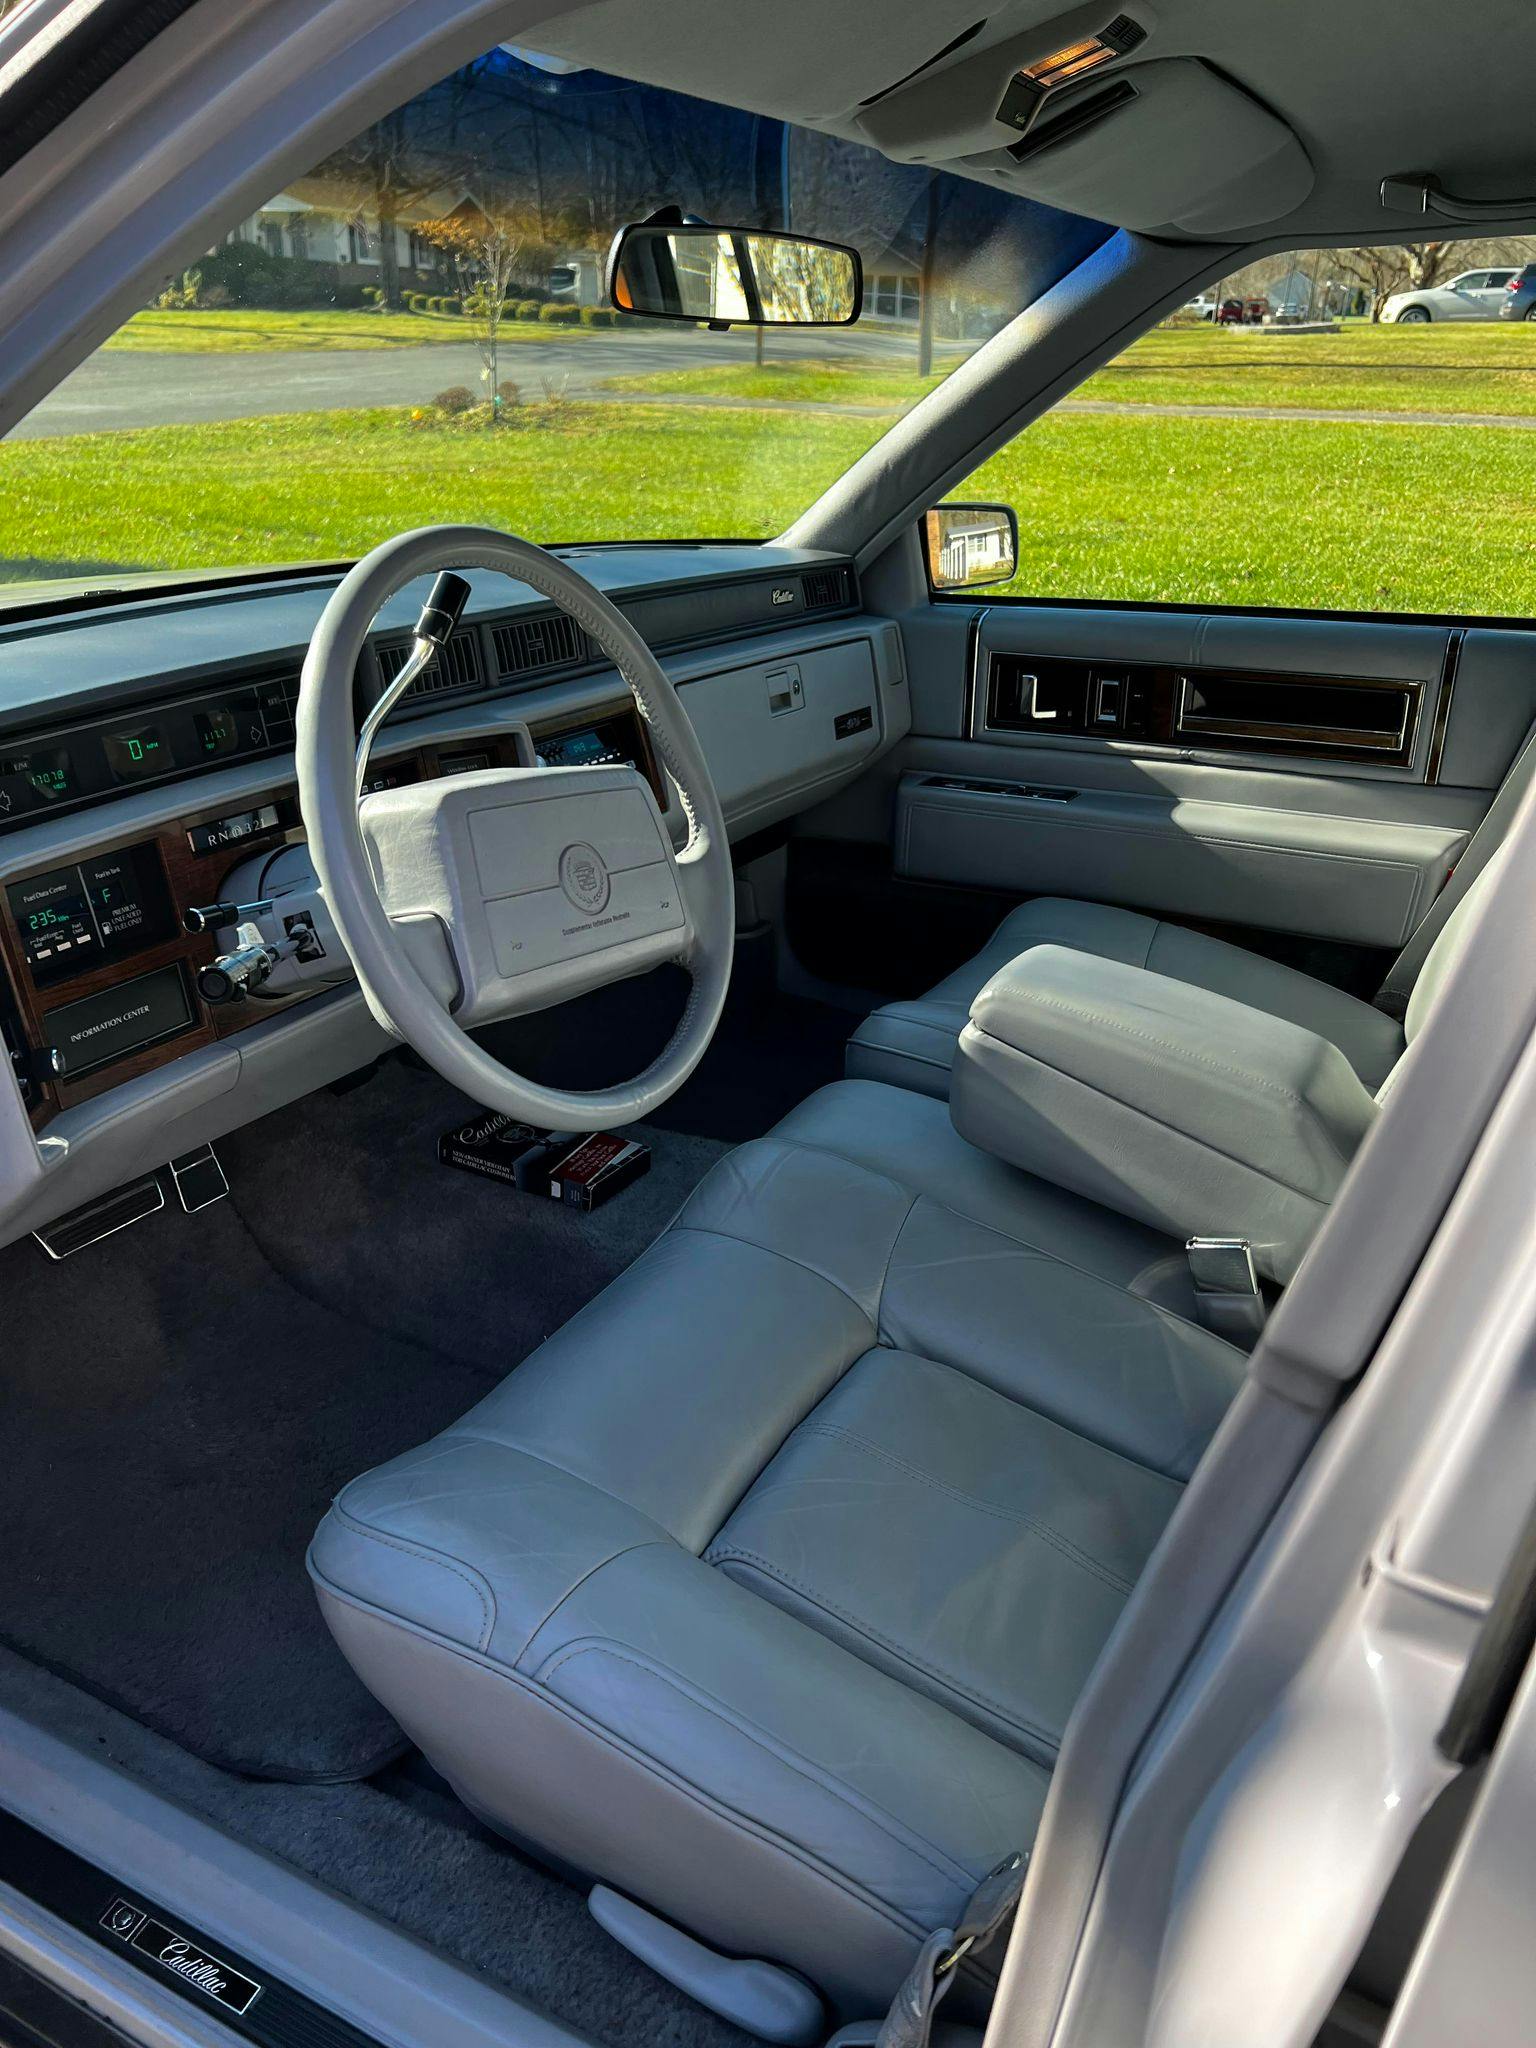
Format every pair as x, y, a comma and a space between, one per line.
912, 1044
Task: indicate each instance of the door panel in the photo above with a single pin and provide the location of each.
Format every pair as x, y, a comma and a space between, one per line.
1309, 776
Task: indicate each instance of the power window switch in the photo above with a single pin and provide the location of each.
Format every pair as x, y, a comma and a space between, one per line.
1108, 700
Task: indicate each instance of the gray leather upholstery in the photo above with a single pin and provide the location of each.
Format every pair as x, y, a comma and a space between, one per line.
913, 1044
764, 1589
1187, 1110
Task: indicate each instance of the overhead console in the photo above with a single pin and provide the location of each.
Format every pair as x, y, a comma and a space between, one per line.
1081, 112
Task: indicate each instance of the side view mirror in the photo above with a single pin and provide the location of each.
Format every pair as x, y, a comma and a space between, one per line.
969, 546
733, 277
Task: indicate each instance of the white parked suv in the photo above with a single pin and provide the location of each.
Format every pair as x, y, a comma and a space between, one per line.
1475, 295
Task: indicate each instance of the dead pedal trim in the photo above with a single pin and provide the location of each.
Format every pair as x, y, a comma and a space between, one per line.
166, 1947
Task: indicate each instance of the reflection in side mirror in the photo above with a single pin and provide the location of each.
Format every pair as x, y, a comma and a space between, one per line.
970, 545
734, 277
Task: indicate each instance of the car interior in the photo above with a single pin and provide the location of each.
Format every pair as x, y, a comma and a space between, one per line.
670, 1604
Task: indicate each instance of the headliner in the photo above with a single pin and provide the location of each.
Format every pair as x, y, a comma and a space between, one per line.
1369, 88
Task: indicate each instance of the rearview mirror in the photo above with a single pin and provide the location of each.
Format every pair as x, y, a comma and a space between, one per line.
734, 277
970, 545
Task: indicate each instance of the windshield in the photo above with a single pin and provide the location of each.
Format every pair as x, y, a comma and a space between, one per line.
416, 331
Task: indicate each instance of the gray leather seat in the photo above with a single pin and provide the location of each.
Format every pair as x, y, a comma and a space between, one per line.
764, 1589
912, 1044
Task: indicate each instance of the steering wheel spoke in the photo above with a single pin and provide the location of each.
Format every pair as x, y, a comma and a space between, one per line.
483, 896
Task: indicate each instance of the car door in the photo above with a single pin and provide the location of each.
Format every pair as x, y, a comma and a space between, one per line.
1292, 740
1465, 295
1491, 297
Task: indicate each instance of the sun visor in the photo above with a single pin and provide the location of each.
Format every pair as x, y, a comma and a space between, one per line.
1169, 144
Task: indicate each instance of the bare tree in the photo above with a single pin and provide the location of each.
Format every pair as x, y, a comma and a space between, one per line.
486, 251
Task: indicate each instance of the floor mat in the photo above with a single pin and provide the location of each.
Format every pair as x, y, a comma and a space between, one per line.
180, 1402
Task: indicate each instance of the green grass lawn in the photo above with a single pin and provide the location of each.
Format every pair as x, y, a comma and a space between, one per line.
242, 330
1472, 368
1181, 510
306, 485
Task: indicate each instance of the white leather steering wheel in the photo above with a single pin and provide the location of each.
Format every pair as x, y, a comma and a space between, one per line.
486, 895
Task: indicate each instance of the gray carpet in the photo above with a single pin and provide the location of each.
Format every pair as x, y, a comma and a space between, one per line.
345, 1197
180, 1402
452, 1885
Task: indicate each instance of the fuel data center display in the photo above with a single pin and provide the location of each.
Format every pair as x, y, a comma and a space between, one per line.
75, 918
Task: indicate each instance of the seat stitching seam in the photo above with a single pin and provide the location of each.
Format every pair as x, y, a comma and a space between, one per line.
772, 1252
885, 1270
1098, 1445
902, 1052
735, 1554
409, 1548
1028, 1244
1043, 1530
916, 1845
760, 1831
507, 1443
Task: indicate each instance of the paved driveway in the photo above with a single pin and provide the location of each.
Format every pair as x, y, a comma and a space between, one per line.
127, 388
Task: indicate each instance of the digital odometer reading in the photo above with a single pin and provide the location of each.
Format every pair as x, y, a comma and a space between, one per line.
33, 779
138, 754
218, 731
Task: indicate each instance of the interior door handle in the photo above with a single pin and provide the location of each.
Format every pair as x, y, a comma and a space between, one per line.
1032, 705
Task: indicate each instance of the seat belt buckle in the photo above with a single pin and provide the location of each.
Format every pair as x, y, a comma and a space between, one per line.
909, 2023
1226, 1286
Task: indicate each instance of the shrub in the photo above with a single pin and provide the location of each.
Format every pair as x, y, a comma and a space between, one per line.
415, 302
508, 393
559, 313
525, 309
451, 305
457, 398
373, 294
598, 316
181, 298
254, 277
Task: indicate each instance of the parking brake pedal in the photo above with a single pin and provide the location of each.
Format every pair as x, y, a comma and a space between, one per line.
199, 1178
761, 1998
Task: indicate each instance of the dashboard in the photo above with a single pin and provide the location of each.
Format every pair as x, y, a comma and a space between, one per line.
146, 759
109, 985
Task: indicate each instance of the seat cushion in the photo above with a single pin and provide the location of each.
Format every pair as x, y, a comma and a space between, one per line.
935, 1527
912, 1044
763, 1590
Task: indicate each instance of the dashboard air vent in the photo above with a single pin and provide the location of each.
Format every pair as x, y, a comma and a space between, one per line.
456, 668
528, 644
824, 588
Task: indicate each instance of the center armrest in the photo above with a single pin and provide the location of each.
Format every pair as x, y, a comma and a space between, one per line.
1184, 1109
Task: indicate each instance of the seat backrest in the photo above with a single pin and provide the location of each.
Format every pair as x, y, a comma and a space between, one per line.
1444, 953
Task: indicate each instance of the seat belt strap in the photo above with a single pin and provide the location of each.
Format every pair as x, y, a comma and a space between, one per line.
1485, 842
909, 2023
